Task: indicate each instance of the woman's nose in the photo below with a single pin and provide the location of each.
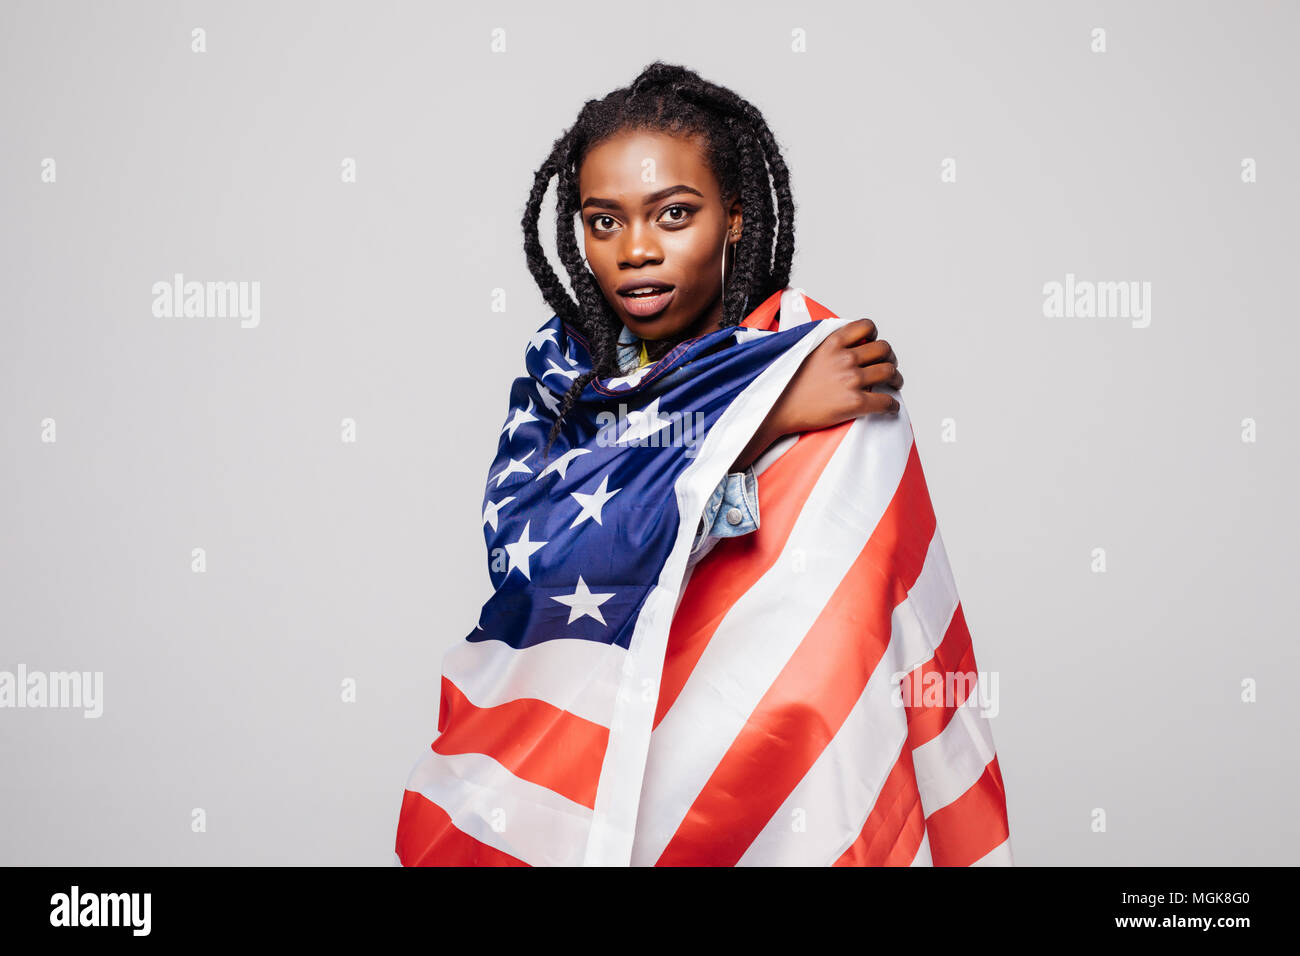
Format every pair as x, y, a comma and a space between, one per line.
639, 246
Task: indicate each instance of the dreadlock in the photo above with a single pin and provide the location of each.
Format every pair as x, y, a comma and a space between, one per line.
739, 148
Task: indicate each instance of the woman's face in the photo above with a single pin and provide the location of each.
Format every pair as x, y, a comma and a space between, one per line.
652, 215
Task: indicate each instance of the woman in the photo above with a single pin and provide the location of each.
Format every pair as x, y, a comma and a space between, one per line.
639, 689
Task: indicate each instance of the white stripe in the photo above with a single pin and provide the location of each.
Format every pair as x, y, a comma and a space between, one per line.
932, 602
845, 778
923, 857
951, 762
618, 794
764, 627
1000, 855
841, 788
537, 825
575, 675
793, 309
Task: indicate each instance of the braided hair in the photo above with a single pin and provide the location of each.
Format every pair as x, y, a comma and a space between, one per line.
738, 147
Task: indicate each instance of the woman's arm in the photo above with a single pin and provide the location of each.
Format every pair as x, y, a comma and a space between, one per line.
767, 433
831, 386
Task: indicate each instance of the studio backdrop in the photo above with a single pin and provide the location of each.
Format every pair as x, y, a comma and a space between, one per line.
239, 530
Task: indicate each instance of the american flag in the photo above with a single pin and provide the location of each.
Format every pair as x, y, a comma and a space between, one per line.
618, 705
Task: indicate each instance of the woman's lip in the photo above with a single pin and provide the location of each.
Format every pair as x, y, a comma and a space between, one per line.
644, 306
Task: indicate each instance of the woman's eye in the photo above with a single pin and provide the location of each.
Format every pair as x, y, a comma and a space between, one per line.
597, 219
681, 209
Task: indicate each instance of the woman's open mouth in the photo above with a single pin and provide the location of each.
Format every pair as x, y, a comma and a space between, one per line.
648, 302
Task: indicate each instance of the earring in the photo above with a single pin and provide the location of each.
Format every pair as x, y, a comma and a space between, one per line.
735, 233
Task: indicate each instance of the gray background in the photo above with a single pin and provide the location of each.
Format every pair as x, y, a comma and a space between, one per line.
329, 561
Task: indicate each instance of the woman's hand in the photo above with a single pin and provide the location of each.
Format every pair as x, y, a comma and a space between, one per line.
831, 386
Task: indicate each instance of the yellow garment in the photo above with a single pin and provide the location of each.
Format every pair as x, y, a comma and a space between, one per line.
645, 356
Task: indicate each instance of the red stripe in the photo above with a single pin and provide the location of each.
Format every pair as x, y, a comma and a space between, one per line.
896, 825
809, 700
427, 837
973, 824
925, 690
762, 317
976, 822
765, 316
816, 310
534, 740
735, 564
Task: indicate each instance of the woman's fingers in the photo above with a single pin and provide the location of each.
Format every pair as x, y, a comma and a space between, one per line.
876, 355
881, 373
876, 402
879, 355
868, 353
877, 365
855, 332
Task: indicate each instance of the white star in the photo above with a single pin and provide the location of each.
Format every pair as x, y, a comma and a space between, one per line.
582, 603
519, 552
642, 424
745, 334
490, 512
562, 463
593, 503
516, 467
540, 336
521, 416
631, 378
570, 374
548, 399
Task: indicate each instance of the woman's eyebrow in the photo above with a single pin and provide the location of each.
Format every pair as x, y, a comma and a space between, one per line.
649, 200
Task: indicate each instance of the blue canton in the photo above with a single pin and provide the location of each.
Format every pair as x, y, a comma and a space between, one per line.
579, 531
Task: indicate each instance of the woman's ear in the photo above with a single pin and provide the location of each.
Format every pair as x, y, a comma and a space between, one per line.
734, 220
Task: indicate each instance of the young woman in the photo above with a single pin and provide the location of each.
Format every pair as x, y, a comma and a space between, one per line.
622, 702
701, 236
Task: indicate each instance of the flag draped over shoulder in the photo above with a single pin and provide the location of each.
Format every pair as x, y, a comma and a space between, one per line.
803, 695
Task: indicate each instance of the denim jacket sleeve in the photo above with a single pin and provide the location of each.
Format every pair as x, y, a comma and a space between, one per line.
732, 509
